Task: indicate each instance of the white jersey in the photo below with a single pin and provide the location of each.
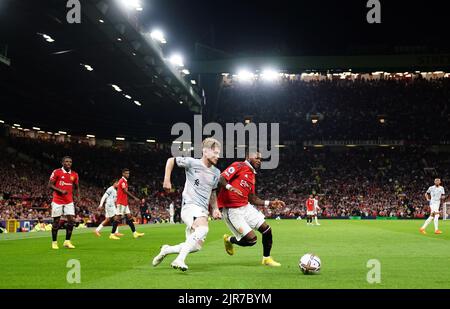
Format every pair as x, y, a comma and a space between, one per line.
436, 193
316, 205
110, 196
200, 181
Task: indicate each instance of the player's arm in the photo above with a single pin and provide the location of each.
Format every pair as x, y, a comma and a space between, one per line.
131, 195
254, 200
77, 190
223, 183
51, 185
167, 184
102, 201
427, 196
215, 212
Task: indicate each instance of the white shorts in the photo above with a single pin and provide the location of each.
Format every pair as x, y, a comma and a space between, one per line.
189, 213
110, 210
310, 213
122, 210
435, 207
63, 210
242, 220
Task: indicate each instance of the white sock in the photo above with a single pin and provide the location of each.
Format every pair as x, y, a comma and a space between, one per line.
173, 249
428, 221
117, 229
315, 218
99, 228
193, 242
436, 222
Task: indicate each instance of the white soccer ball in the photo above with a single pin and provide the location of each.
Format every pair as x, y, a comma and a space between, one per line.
309, 264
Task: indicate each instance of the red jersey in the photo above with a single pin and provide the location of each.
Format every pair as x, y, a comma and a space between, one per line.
240, 175
122, 197
310, 204
64, 181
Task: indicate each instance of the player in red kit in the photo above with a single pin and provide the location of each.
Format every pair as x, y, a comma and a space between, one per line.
122, 208
310, 210
239, 213
63, 182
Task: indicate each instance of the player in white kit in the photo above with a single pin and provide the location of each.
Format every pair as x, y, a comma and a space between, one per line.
109, 197
316, 209
202, 180
434, 194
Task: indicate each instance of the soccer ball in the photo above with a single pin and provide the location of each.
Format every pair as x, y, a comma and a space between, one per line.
309, 264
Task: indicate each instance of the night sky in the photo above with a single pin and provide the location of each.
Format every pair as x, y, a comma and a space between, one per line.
255, 27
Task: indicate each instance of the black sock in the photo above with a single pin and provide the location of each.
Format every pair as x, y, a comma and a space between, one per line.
267, 242
55, 228
69, 229
55, 233
114, 226
131, 224
243, 242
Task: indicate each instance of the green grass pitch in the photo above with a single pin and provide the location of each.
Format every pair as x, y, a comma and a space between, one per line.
408, 259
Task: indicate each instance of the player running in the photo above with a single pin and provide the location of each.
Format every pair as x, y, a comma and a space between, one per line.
202, 179
62, 182
122, 208
310, 209
240, 215
109, 197
434, 194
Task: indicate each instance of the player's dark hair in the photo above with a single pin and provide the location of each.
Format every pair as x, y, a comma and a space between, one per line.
125, 170
65, 157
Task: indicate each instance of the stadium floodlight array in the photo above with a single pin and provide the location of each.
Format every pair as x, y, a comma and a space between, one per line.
90, 136
185, 72
116, 88
47, 37
176, 60
137, 103
132, 4
158, 36
245, 75
270, 75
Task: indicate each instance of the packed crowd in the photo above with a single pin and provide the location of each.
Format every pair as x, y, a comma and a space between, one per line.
414, 110
372, 182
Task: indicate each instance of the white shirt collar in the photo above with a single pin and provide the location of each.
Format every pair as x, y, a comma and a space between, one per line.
64, 171
253, 169
124, 179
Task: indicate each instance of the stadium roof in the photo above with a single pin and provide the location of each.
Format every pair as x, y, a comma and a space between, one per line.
62, 76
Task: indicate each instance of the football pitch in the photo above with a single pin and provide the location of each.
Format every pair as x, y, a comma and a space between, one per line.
407, 258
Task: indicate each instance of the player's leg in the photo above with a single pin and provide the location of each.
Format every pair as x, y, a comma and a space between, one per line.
100, 227
436, 223
55, 228
243, 233
167, 250
57, 211
256, 220
69, 229
130, 222
315, 219
115, 223
267, 241
430, 218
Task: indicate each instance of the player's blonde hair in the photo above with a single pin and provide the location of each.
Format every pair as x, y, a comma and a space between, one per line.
211, 143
